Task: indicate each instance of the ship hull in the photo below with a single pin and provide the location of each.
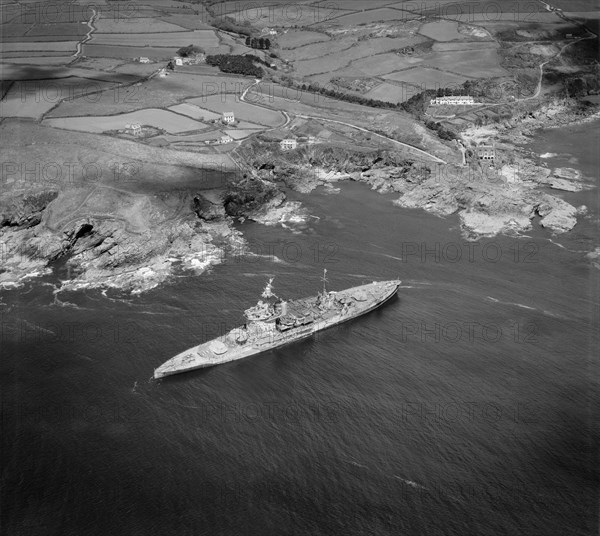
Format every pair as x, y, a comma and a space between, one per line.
213, 353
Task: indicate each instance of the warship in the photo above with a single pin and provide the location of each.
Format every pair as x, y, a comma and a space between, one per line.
273, 322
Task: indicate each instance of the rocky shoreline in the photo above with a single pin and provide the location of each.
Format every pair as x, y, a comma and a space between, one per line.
135, 246
504, 199
110, 238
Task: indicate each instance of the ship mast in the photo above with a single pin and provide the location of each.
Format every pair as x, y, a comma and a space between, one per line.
325, 280
268, 292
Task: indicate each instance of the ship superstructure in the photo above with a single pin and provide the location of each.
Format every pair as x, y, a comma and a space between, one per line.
273, 322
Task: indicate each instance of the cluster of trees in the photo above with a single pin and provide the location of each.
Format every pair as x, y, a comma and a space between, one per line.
228, 24
342, 95
190, 50
443, 132
256, 59
228, 63
260, 43
418, 103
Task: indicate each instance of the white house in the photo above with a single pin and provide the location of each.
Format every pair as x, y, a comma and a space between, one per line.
143, 59
178, 61
486, 152
288, 144
228, 117
134, 128
226, 139
455, 101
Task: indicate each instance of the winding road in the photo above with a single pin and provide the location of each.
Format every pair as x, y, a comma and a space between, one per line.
559, 13
411, 148
88, 35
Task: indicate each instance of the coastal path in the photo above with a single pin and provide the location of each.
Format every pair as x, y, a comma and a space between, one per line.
411, 148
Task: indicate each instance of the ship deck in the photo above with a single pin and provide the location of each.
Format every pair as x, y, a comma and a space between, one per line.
265, 335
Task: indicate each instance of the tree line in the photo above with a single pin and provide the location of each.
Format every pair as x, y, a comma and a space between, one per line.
261, 43
228, 63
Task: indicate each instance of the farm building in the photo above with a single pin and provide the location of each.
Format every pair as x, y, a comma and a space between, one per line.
486, 152
143, 59
228, 117
178, 61
288, 144
455, 101
134, 128
225, 139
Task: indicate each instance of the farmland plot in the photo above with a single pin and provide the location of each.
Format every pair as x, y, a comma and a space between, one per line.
202, 38
318, 50
376, 15
385, 63
389, 93
369, 52
16, 72
155, 93
57, 31
427, 78
299, 38
195, 112
54, 46
135, 26
40, 60
242, 110
128, 53
188, 22
163, 119
237, 134
14, 30
51, 13
11, 12
8, 56
524, 17
473, 63
286, 15
193, 138
448, 47
127, 11
33, 98
443, 30
250, 6
354, 5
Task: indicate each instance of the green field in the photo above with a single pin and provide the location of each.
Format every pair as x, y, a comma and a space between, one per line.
384, 64
129, 52
54, 46
33, 98
299, 38
427, 78
376, 15
134, 26
155, 93
193, 111
473, 63
163, 119
242, 110
286, 15
388, 93
202, 38
449, 47
442, 30
36, 60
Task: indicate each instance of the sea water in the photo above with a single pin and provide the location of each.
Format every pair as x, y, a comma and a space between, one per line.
463, 406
